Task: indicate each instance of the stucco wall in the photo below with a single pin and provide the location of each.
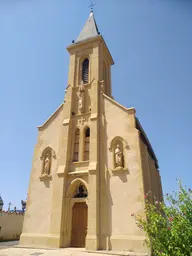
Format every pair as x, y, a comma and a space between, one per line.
151, 176
155, 177
38, 213
126, 192
146, 168
10, 225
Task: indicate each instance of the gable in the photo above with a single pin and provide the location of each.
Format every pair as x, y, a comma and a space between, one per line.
51, 118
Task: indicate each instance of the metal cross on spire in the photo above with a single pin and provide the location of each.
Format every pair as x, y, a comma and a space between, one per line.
91, 4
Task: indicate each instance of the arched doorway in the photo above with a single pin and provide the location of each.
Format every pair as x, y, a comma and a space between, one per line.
79, 224
79, 213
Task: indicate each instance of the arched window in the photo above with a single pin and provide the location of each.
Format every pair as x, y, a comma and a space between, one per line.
81, 191
76, 146
86, 144
85, 71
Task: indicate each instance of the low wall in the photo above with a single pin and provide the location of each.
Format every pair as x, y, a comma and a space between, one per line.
11, 225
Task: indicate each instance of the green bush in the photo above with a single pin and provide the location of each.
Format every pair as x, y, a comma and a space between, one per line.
169, 225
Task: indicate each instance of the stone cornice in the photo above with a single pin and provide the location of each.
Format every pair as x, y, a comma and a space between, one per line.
72, 47
129, 110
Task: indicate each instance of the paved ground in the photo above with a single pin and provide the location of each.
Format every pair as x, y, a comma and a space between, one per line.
4, 245
8, 249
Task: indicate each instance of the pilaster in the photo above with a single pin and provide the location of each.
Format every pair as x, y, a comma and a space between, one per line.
58, 202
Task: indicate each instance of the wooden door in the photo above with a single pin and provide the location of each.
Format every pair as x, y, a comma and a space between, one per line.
79, 225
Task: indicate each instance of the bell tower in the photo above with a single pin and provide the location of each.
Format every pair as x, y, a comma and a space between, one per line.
80, 147
90, 59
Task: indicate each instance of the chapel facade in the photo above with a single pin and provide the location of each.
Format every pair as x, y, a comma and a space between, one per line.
92, 162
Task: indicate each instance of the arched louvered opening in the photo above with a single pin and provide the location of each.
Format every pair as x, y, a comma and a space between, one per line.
85, 71
86, 144
76, 146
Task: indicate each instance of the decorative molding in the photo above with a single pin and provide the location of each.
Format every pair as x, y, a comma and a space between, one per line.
46, 157
102, 86
61, 170
47, 149
75, 167
117, 147
131, 111
93, 116
80, 163
81, 121
92, 167
119, 169
118, 138
45, 177
66, 121
79, 200
78, 173
73, 185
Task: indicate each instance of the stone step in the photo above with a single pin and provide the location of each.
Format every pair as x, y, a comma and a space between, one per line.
119, 253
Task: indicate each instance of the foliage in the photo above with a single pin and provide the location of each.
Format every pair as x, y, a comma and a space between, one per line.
169, 226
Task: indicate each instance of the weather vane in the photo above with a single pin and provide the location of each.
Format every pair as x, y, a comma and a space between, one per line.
91, 4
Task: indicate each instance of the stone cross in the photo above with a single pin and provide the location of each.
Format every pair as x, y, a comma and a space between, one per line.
81, 120
92, 4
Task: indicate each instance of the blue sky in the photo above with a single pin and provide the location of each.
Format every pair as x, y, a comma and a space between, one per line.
151, 43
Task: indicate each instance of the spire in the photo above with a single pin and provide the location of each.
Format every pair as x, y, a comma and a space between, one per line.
89, 30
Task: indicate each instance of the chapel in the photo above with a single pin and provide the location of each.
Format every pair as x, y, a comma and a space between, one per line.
92, 164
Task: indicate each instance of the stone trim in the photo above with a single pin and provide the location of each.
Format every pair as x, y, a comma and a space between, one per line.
92, 167
78, 173
41, 127
93, 116
129, 110
45, 177
119, 169
71, 48
61, 170
66, 121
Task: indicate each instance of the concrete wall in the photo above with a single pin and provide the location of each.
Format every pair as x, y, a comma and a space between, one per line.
10, 225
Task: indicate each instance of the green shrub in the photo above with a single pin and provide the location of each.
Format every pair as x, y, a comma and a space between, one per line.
169, 225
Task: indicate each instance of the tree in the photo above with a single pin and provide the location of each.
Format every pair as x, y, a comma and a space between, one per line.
169, 225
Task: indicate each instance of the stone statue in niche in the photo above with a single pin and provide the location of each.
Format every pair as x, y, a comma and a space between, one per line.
81, 97
47, 164
118, 157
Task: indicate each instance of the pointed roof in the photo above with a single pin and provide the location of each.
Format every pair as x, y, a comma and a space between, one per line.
89, 30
